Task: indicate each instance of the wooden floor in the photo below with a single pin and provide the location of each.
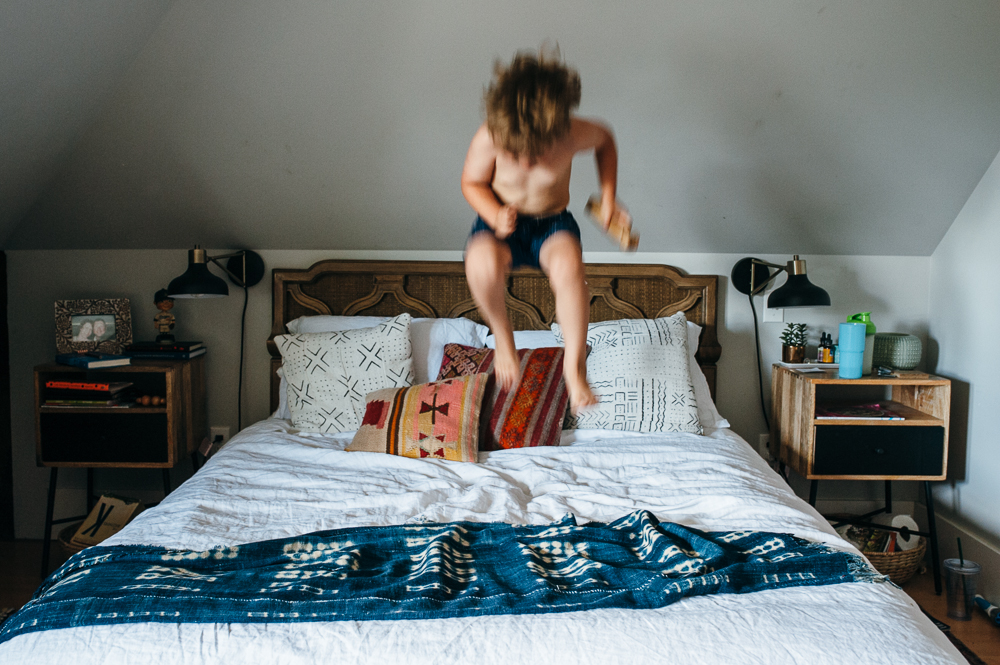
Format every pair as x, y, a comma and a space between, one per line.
20, 560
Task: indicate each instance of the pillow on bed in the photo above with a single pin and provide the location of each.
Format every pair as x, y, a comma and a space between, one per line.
640, 370
328, 374
438, 420
708, 414
428, 336
527, 339
531, 414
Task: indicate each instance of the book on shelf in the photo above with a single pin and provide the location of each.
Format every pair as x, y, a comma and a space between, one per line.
86, 403
873, 411
91, 360
167, 355
164, 346
68, 391
105, 387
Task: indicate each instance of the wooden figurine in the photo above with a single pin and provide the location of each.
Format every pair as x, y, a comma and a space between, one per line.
164, 320
620, 229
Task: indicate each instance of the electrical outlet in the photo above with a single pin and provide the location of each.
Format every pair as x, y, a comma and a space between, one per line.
216, 432
762, 446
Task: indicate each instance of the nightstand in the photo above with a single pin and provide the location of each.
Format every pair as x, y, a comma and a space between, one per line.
915, 448
155, 437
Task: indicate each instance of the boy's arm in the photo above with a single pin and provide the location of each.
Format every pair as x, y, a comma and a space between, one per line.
597, 136
477, 185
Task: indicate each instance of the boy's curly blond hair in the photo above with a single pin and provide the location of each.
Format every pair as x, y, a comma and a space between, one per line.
528, 103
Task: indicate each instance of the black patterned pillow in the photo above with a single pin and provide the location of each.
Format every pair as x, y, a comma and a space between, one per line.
329, 374
639, 370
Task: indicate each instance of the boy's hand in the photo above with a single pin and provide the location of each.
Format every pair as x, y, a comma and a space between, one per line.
505, 222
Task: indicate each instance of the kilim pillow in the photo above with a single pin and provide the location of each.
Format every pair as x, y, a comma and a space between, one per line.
640, 371
529, 415
330, 373
437, 420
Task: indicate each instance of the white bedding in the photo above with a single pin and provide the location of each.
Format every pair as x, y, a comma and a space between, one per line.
270, 482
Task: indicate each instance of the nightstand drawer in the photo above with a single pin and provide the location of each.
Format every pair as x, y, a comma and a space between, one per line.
851, 450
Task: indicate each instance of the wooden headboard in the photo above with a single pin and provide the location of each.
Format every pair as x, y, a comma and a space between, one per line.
438, 289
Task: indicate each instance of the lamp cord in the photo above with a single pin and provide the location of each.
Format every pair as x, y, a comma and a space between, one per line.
239, 398
760, 372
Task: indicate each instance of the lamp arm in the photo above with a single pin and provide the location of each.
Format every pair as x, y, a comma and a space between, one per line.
753, 268
236, 278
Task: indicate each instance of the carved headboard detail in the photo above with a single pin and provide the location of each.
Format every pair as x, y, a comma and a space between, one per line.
438, 289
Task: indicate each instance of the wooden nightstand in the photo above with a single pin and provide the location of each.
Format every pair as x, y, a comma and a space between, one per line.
107, 437
915, 448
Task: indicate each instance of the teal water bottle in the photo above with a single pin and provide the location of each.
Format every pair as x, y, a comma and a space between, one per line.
866, 318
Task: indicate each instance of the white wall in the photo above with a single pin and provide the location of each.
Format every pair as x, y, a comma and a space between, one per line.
893, 288
850, 127
964, 325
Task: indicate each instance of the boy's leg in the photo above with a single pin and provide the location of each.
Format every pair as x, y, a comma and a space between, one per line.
487, 262
561, 258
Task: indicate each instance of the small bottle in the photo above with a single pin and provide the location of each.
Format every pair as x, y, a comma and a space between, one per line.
825, 354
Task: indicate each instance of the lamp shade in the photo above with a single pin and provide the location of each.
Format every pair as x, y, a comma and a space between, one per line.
197, 282
798, 291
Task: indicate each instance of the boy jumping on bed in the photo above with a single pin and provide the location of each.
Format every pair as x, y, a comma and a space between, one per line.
516, 177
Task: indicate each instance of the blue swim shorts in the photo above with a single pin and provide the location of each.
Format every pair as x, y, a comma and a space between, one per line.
526, 241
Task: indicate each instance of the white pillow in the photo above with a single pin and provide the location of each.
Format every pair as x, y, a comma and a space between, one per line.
329, 373
427, 335
640, 370
528, 339
708, 414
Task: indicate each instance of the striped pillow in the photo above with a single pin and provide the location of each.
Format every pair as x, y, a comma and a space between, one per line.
529, 415
437, 420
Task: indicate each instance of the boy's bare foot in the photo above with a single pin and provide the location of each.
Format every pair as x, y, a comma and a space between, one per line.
581, 397
507, 368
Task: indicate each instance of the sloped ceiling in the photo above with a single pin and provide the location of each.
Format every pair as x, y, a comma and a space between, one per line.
780, 126
59, 63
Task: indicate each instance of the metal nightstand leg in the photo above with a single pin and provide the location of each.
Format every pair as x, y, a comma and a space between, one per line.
932, 528
47, 534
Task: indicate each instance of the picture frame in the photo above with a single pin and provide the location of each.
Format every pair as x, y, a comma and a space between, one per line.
100, 325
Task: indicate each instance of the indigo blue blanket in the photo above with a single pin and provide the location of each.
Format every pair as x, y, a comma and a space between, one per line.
426, 571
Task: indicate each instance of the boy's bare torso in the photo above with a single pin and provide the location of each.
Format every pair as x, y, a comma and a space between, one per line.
535, 186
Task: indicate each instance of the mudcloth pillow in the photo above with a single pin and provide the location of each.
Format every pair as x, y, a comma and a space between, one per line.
529, 415
640, 371
439, 419
330, 373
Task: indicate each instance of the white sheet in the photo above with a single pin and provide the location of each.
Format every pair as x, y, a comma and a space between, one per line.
270, 482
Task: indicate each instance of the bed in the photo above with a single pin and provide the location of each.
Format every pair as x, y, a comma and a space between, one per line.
273, 481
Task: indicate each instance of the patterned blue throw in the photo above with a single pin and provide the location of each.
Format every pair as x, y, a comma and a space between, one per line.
426, 571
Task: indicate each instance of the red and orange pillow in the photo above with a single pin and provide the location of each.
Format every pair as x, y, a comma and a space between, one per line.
437, 420
529, 415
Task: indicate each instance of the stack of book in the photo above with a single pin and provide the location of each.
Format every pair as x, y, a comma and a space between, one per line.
92, 360
165, 351
87, 393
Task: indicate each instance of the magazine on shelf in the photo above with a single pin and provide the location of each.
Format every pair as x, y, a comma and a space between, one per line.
873, 411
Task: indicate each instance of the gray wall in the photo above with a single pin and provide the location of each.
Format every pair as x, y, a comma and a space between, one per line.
849, 128
894, 288
964, 323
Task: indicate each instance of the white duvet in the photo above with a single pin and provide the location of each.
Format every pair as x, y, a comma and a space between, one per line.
270, 482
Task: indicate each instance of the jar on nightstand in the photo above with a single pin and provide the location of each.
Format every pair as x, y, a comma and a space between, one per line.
899, 350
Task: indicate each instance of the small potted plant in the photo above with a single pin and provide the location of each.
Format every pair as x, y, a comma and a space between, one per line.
793, 349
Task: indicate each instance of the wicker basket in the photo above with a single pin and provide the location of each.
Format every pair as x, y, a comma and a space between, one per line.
66, 535
899, 566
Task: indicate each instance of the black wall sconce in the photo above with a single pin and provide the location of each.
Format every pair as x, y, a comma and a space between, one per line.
751, 276
245, 268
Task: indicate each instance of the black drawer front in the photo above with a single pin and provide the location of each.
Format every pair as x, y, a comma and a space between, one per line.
876, 450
